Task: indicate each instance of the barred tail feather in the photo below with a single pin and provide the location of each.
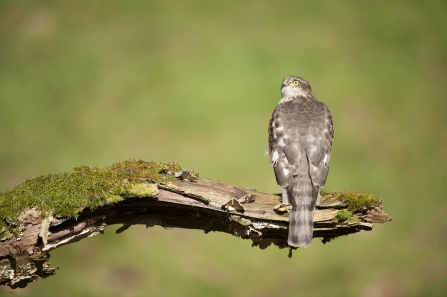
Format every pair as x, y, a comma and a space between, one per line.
301, 227
302, 195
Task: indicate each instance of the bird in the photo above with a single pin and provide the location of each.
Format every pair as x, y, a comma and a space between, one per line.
300, 136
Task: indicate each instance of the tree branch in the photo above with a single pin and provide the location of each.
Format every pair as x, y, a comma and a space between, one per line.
189, 202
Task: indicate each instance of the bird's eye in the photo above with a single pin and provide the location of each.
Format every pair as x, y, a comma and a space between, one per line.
296, 82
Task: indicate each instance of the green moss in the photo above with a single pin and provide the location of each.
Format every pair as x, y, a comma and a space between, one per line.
355, 201
68, 193
140, 190
345, 216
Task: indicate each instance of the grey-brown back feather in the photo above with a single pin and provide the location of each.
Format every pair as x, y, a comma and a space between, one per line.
299, 146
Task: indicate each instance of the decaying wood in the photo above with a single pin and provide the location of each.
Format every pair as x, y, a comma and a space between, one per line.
192, 203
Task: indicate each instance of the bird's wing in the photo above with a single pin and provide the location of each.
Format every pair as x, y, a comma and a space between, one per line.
318, 151
276, 147
285, 146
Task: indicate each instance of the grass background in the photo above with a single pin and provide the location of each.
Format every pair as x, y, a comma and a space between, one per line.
196, 81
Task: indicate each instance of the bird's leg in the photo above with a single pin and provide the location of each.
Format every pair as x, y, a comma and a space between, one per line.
285, 198
318, 199
285, 205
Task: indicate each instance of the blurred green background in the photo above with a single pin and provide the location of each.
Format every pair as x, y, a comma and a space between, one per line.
95, 82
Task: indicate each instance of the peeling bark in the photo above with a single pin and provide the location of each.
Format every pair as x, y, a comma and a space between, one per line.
192, 203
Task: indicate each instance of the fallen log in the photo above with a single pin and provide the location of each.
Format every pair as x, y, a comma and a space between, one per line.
47, 212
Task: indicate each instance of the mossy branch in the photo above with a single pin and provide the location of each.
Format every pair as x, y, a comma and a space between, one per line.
50, 211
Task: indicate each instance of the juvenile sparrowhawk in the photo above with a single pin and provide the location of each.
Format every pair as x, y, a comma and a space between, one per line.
299, 147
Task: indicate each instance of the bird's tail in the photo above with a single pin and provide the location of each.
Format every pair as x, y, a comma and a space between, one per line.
301, 227
301, 216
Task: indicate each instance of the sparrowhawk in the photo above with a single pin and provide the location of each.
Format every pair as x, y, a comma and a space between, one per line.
299, 147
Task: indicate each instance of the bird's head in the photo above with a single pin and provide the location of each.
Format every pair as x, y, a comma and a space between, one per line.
294, 86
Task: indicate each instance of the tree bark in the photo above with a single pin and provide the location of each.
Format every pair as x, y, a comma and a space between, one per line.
191, 202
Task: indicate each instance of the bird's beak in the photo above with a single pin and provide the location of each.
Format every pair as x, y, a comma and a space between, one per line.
284, 83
